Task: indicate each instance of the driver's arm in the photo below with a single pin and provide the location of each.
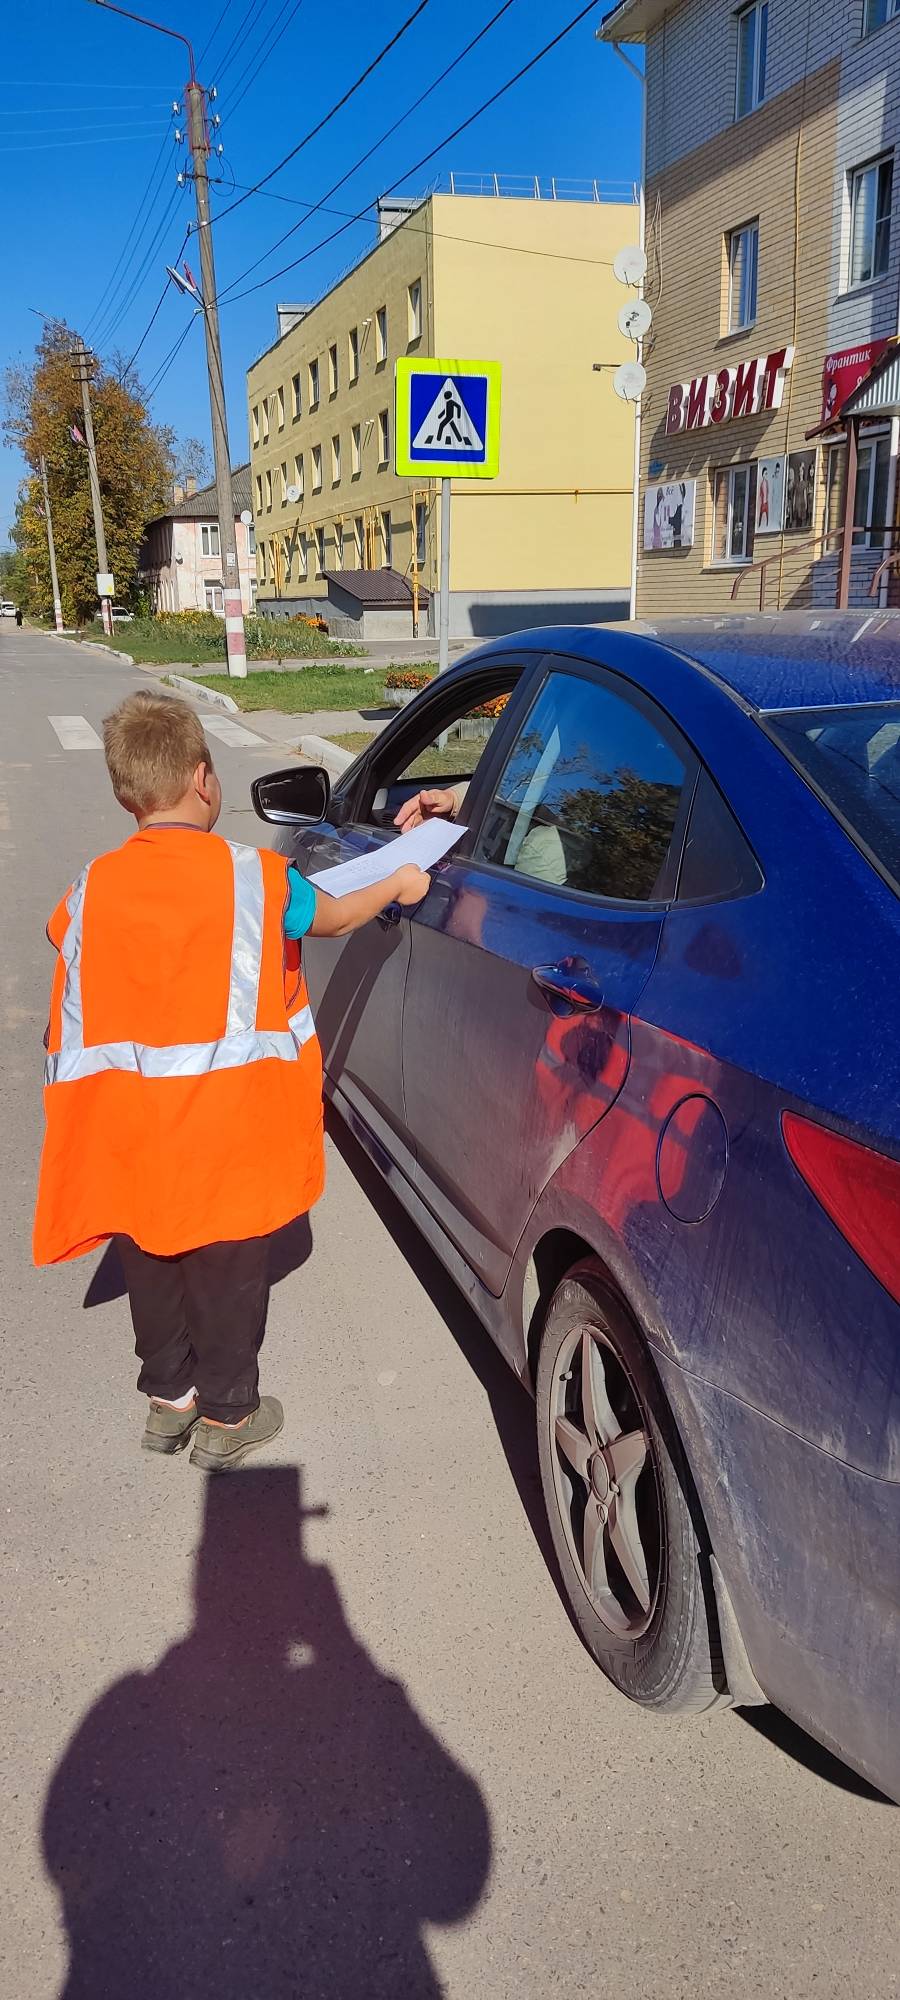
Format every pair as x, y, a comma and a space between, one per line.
443, 802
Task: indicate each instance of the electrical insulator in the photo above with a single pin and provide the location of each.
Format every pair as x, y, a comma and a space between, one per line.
219, 151
217, 120
176, 107
180, 178
213, 94
178, 136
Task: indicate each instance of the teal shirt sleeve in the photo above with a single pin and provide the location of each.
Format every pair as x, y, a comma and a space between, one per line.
301, 905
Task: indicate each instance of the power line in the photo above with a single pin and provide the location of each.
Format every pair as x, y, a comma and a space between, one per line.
168, 362
367, 155
335, 108
237, 39
79, 110
211, 38
268, 50
157, 308
64, 145
430, 155
130, 239
143, 273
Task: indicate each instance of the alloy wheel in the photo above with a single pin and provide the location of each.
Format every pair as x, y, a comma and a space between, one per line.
607, 1482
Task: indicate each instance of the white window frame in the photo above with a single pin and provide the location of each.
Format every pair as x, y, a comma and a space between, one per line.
259, 493
740, 320
298, 471
758, 13
251, 539
333, 380
339, 544
881, 221
285, 482
355, 451
313, 399
386, 531
381, 334
317, 468
211, 591
891, 11
730, 560
336, 459
254, 423
209, 539
268, 492
384, 439
296, 396
414, 301
319, 546
303, 553
281, 406
265, 420
359, 540
353, 353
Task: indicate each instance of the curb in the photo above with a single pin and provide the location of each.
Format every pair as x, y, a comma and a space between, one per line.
334, 759
88, 646
211, 695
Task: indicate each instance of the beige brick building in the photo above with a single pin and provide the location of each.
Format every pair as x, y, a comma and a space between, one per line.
773, 243
523, 280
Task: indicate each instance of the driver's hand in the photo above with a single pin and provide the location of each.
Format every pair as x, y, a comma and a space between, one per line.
425, 805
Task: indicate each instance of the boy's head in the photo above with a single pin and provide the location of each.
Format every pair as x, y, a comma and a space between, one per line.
159, 761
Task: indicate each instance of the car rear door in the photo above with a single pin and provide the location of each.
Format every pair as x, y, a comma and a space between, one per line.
531, 951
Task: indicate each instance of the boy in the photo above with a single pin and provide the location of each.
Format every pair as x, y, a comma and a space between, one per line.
183, 1092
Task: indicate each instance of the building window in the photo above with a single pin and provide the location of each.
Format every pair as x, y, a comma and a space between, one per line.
254, 587
281, 409
734, 500
743, 274
251, 540
296, 398
384, 437
387, 543
359, 538
752, 39
353, 346
259, 502
254, 423
265, 419
415, 310
298, 472
356, 451
871, 497
215, 597
332, 370
209, 538
421, 523
268, 489
319, 537
339, 544
284, 482
286, 560
336, 460
879, 11
314, 385
303, 555
381, 334
317, 468
871, 192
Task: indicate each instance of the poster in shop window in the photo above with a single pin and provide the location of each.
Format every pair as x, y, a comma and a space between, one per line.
800, 493
669, 515
769, 496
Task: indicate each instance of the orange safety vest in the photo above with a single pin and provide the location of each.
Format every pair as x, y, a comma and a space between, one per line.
183, 1087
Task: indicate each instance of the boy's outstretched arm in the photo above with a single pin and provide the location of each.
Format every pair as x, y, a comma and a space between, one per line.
337, 916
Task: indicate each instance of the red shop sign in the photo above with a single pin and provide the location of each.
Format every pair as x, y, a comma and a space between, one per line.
843, 372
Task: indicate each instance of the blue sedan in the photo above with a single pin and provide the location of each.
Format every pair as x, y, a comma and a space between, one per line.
633, 1066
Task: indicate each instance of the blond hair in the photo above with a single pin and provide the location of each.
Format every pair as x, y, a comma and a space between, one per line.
153, 745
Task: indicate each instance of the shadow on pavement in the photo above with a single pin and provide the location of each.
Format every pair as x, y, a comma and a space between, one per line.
263, 1813
787, 1736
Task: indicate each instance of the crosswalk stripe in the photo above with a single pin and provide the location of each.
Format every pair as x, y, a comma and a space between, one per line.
231, 733
75, 732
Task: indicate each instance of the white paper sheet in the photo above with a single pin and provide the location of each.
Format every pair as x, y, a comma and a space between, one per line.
426, 845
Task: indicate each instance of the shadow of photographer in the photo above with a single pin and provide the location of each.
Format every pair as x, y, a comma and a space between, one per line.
263, 1813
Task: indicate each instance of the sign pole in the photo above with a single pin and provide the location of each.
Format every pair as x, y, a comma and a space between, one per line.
444, 628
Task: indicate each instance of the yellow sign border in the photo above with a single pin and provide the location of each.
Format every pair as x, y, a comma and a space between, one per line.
408, 468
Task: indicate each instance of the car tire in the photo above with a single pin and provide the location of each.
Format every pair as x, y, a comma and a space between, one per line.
624, 1519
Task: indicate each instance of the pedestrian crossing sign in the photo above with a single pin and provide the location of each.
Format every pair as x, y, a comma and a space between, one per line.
447, 418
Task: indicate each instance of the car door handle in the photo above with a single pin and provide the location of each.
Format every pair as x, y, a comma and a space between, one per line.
390, 916
569, 987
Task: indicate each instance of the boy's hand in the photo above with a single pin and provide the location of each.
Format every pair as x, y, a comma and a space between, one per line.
412, 884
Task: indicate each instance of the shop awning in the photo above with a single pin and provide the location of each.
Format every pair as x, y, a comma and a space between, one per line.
876, 395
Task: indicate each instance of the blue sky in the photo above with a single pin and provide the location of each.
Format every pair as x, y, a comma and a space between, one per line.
86, 128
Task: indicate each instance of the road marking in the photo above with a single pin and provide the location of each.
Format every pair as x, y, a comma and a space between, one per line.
74, 732
231, 733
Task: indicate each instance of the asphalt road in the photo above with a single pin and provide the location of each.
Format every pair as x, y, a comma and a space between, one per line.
323, 1730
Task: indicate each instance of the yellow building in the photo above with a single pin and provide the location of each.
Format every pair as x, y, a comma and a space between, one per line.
527, 282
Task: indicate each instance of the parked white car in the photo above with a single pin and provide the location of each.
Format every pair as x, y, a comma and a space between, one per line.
7, 608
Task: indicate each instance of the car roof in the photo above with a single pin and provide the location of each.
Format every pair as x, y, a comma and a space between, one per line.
769, 660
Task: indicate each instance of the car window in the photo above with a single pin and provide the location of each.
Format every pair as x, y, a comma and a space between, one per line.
455, 751
718, 862
589, 795
444, 752
853, 756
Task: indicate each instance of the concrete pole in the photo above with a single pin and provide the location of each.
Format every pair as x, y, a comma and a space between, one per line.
81, 359
235, 639
54, 579
444, 628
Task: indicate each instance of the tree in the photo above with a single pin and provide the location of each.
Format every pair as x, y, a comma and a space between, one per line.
43, 406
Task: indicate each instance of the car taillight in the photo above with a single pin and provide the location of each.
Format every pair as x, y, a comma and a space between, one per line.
859, 1189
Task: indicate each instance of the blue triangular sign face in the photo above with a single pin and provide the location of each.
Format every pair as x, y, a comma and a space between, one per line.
447, 426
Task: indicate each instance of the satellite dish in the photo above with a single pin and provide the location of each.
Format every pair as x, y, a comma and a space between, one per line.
630, 381
246, 517
292, 493
634, 319
630, 265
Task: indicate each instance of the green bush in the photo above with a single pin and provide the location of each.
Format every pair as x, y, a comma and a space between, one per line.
202, 633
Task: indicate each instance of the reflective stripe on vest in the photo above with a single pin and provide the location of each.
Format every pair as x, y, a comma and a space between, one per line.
242, 1042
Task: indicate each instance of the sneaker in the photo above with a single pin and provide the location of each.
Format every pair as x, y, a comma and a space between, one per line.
169, 1430
219, 1447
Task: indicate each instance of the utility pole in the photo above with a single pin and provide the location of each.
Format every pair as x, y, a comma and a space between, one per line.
54, 579
82, 362
235, 641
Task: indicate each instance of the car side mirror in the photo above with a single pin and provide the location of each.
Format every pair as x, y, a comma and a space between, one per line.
297, 797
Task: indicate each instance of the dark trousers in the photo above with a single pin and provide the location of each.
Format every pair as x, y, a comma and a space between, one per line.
199, 1319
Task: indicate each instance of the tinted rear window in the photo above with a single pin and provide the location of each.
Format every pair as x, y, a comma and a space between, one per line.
853, 757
